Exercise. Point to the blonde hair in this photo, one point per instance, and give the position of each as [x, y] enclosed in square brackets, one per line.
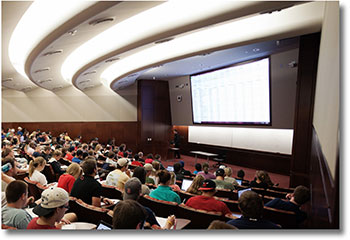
[197, 183]
[33, 164]
[98, 147]
[156, 165]
[172, 178]
[57, 153]
[228, 171]
[75, 170]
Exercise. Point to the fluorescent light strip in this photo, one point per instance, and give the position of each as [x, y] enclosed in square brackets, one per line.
[304, 16]
[41, 18]
[167, 16]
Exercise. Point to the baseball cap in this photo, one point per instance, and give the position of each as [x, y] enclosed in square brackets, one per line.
[51, 198]
[132, 188]
[220, 172]
[122, 162]
[148, 167]
[207, 185]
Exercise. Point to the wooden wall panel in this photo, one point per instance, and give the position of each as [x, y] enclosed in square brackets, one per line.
[271, 162]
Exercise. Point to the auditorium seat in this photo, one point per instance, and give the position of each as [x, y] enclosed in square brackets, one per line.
[33, 189]
[21, 176]
[65, 161]
[286, 219]
[50, 174]
[200, 219]
[159, 207]
[232, 205]
[275, 194]
[3, 226]
[111, 192]
[226, 193]
[185, 195]
[88, 213]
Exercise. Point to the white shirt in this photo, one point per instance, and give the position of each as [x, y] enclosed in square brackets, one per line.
[38, 177]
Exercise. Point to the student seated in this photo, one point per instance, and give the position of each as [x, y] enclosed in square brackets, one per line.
[51, 211]
[164, 191]
[251, 207]
[36, 166]
[66, 181]
[119, 176]
[198, 168]
[195, 185]
[205, 173]
[220, 183]
[206, 201]
[295, 200]
[54, 161]
[129, 214]
[228, 178]
[13, 214]
[140, 173]
[259, 180]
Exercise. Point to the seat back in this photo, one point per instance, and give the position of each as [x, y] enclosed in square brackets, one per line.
[159, 207]
[49, 174]
[88, 213]
[33, 189]
[111, 192]
[232, 205]
[200, 219]
[276, 194]
[185, 195]
[286, 219]
[225, 193]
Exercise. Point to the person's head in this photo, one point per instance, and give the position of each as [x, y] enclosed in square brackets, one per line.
[79, 154]
[89, 167]
[111, 155]
[47, 149]
[17, 192]
[208, 187]
[71, 149]
[36, 164]
[251, 205]
[7, 152]
[122, 147]
[228, 171]
[149, 156]
[205, 167]
[57, 154]
[54, 204]
[157, 157]
[240, 174]
[172, 178]
[136, 157]
[177, 167]
[198, 167]
[156, 165]
[140, 173]
[75, 170]
[301, 195]
[217, 224]
[182, 164]
[149, 169]
[12, 169]
[140, 154]
[132, 189]
[128, 214]
[122, 164]
[164, 177]
[220, 173]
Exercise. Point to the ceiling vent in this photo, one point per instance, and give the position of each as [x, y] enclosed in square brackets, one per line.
[112, 59]
[42, 70]
[52, 53]
[84, 81]
[7, 80]
[57, 88]
[89, 87]
[44, 81]
[91, 72]
[101, 20]
[164, 40]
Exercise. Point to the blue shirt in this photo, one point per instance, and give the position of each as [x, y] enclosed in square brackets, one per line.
[288, 206]
[76, 160]
[165, 193]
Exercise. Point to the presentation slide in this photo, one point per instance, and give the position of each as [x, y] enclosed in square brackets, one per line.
[238, 94]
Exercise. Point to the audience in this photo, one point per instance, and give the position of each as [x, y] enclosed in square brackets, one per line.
[259, 180]
[140, 173]
[183, 170]
[149, 158]
[35, 167]
[251, 206]
[150, 173]
[219, 181]
[87, 188]
[228, 178]
[78, 156]
[164, 191]
[51, 211]
[206, 201]
[206, 174]
[195, 185]
[173, 184]
[119, 176]
[177, 171]
[300, 196]
[129, 214]
[198, 168]
[240, 174]
[54, 162]
[66, 181]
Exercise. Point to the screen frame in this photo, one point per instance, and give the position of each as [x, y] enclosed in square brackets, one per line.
[235, 123]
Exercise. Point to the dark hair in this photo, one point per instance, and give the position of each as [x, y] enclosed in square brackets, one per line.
[157, 157]
[205, 167]
[79, 153]
[301, 194]
[10, 160]
[136, 157]
[177, 167]
[198, 167]
[71, 149]
[85, 154]
[127, 214]
[164, 176]
[140, 173]
[150, 155]
[217, 224]
[251, 205]
[240, 174]
[89, 166]
[15, 190]
[6, 152]
[111, 154]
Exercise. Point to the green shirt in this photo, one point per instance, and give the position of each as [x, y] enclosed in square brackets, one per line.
[220, 184]
[165, 193]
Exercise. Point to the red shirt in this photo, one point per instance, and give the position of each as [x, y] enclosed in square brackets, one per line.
[149, 160]
[68, 156]
[33, 225]
[208, 204]
[137, 163]
[66, 181]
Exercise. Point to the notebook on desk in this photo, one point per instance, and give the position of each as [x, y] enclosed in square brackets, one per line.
[186, 183]
[102, 225]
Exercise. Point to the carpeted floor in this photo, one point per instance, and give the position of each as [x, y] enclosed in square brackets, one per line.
[283, 180]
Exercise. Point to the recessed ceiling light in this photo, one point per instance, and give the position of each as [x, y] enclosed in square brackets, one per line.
[101, 20]
[52, 52]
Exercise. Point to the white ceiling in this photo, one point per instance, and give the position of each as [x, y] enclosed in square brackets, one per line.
[45, 71]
